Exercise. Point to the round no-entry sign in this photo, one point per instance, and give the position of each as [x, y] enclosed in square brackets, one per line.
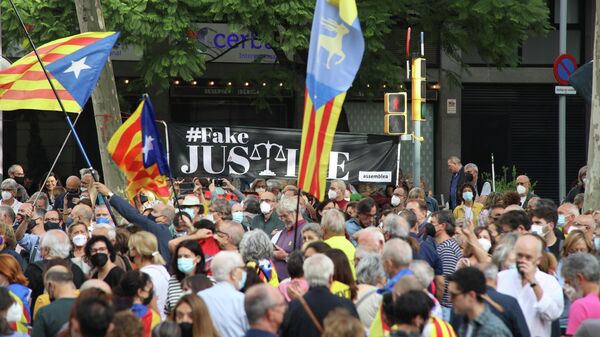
[564, 66]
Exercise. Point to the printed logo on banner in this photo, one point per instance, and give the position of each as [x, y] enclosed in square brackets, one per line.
[251, 152]
[375, 176]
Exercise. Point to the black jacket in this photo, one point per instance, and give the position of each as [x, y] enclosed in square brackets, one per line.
[461, 180]
[297, 323]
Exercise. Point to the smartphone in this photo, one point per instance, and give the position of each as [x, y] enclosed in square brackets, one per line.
[218, 182]
[72, 199]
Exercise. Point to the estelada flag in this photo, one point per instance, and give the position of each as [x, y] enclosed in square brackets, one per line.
[334, 56]
[137, 150]
[74, 65]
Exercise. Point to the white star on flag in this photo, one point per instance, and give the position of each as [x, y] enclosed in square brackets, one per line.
[148, 146]
[77, 66]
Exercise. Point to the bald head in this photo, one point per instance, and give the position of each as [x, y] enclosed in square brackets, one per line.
[73, 183]
[58, 274]
[406, 284]
[259, 300]
[96, 284]
[530, 248]
[586, 224]
[371, 239]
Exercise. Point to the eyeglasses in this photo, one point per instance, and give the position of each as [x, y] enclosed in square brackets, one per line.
[99, 250]
[454, 295]
[266, 200]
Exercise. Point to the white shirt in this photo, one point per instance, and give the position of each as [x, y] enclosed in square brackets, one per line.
[226, 307]
[160, 281]
[538, 314]
[15, 206]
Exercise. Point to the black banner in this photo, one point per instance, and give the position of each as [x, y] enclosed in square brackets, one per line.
[248, 152]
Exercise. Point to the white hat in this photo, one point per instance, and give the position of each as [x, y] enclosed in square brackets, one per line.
[190, 200]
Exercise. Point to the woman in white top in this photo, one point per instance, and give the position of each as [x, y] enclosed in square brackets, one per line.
[144, 256]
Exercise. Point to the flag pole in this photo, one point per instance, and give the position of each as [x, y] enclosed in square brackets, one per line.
[297, 216]
[71, 126]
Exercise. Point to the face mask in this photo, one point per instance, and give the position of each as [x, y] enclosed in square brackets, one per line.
[189, 211]
[210, 217]
[572, 293]
[186, 329]
[537, 229]
[521, 189]
[20, 180]
[83, 189]
[99, 260]
[468, 196]
[14, 313]
[265, 207]
[238, 217]
[512, 266]
[79, 240]
[395, 200]
[259, 189]
[52, 225]
[331, 194]
[485, 244]
[561, 220]
[469, 177]
[597, 244]
[6, 195]
[430, 229]
[180, 234]
[242, 282]
[151, 217]
[185, 265]
[146, 301]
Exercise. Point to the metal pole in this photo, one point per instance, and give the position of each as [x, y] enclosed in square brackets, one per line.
[398, 163]
[562, 110]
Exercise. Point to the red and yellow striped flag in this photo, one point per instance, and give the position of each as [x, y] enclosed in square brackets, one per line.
[73, 63]
[334, 57]
[137, 150]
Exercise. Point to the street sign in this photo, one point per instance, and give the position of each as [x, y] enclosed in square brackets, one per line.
[564, 66]
[564, 90]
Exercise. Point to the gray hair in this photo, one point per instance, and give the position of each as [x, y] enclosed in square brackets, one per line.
[581, 263]
[423, 272]
[333, 222]
[571, 208]
[257, 301]
[84, 211]
[318, 270]
[111, 234]
[398, 252]
[39, 196]
[396, 226]
[166, 328]
[471, 166]
[340, 183]
[224, 263]
[255, 246]
[287, 205]
[221, 206]
[169, 213]
[8, 211]
[313, 227]
[409, 216]
[454, 159]
[490, 271]
[505, 246]
[12, 169]
[40, 212]
[369, 270]
[58, 244]
[9, 184]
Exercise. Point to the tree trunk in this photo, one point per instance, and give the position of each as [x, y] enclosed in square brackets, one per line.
[592, 186]
[105, 101]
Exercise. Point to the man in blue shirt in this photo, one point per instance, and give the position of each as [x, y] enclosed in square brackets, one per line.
[458, 179]
[366, 211]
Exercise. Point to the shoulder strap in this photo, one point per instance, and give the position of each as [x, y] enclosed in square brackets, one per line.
[310, 313]
[365, 296]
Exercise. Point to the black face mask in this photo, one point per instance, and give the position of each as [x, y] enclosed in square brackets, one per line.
[186, 329]
[151, 217]
[51, 225]
[20, 180]
[469, 177]
[430, 229]
[99, 260]
[146, 301]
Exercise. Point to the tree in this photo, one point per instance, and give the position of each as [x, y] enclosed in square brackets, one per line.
[495, 29]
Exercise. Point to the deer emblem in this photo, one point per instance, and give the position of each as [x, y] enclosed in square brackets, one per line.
[333, 44]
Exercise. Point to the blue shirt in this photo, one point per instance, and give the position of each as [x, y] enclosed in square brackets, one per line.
[428, 253]
[389, 286]
[29, 242]
[226, 307]
[453, 188]
[352, 226]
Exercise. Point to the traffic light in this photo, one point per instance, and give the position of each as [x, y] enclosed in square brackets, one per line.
[395, 113]
[419, 87]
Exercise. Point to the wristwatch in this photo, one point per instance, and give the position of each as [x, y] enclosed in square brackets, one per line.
[533, 285]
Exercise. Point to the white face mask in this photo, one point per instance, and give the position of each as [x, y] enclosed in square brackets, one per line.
[395, 200]
[14, 313]
[265, 207]
[485, 244]
[537, 229]
[331, 194]
[79, 240]
[6, 195]
[521, 189]
[259, 190]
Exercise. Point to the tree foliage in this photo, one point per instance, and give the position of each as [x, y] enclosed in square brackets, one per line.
[494, 29]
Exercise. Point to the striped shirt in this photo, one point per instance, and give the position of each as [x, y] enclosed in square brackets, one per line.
[449, 253]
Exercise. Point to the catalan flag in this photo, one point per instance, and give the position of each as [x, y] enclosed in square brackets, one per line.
[73, 63]
[137, 150]
[334, 56]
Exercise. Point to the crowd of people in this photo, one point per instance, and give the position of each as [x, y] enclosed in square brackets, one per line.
[79, 260]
